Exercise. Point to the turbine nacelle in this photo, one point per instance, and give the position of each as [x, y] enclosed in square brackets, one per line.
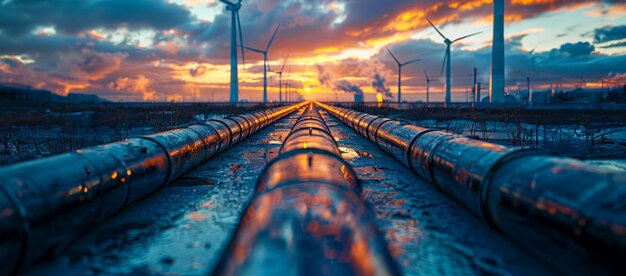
[230, 6]
[233, 7]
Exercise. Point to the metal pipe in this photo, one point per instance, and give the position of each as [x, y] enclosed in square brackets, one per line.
[47, 203]
[559, 208]
[307, 216]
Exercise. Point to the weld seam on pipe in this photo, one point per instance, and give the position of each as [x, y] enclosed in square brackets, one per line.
[239, 125]
[229, 131]
[408, 152]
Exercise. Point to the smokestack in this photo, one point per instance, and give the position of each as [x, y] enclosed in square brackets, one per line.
[358, 98]
[496, 81]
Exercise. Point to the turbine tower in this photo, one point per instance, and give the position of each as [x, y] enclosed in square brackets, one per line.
[235, 28]
[446, 59]
[428, 80]
[400, 65]
[496, 81]
[280, 80]
[265, 62]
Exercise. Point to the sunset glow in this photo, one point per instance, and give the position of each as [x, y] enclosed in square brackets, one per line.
[180, 48]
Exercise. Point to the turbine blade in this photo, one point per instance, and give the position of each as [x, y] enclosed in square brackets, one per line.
[253, 50]
[445, 57]
[269, 44]
[431, 23]
[267, 61]
[243, 55]
[227, 2]
[271, 78]
[284, 63]
[394, 57]
[426, 74]
[412, 61]
[464, 37]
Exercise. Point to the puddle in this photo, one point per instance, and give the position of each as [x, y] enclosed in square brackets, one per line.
[369, 173]
[276, 137]
[340, 136]
[348, 153]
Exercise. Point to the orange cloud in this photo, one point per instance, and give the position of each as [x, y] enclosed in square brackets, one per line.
[140, 85]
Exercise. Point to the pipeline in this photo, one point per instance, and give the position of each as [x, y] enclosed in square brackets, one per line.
[47, 203]
[307, 216]
[561, 209]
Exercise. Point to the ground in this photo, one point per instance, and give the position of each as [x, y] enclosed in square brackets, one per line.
[183, 228]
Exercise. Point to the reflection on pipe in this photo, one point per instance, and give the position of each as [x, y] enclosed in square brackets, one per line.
[307, 217]
[46, 203]
[561, 209]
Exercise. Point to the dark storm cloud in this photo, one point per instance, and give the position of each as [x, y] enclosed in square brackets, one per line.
[615, 45]
[19, 17]
[12, 62]
[609, 33]
[577, 49]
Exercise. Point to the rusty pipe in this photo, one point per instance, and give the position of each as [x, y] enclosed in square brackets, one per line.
[46, 203]
[307, 216]
[559, 208]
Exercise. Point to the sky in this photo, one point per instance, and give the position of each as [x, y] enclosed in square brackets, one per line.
[164, 50]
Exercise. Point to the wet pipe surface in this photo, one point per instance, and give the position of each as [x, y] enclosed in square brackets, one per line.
[184, 228]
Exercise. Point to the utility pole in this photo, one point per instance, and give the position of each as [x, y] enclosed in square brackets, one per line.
[530, 94]
[475, 88]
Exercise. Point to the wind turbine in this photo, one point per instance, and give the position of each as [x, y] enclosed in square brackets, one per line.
[265, 62]
[287, 85]
[235, 26]
[428, 80]
[400, 65]
[280, 80]
[446, 59]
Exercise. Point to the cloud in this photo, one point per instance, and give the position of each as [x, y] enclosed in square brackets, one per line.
[615, 45]
[577, 49]
[609, 33]
[71, 17]
[154, 47]
[140, 85]
[10, 65]
[90, 65]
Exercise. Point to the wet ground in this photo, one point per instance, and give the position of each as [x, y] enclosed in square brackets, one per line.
[427, 232]
[182, 229]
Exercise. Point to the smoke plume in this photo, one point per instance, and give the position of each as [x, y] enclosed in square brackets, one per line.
[348, 87]
[322, 76]
[379, 85]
